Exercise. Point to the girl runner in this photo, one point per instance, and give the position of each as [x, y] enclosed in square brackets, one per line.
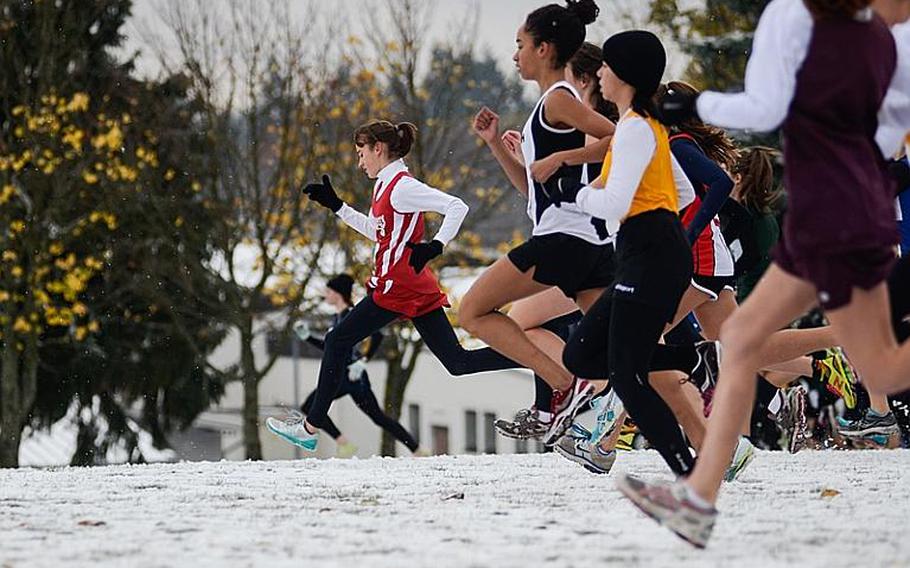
[357, 382]
[822, 67]
[566, 249]
[401, 286]
[552, 306]
[641, 186]
[706, 153]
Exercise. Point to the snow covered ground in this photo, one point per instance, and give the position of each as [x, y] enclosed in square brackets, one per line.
[812, 509]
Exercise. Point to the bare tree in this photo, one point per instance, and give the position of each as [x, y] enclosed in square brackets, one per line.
[257, 73]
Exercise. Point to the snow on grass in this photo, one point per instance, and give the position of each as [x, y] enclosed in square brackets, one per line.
[812, 509]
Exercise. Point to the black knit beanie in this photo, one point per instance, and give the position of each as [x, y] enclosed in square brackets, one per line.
[343, 284]
[638, 58]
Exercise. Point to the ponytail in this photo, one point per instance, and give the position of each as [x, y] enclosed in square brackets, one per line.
[562, 26]
[398, 137]
[757, 189]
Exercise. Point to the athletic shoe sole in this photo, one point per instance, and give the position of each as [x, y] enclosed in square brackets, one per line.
[588, 465]
[871, 431]
[562, 421]
[308, 445]
[507, 434]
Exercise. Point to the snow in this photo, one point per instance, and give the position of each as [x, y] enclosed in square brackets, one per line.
[811, 509]
[55, 445]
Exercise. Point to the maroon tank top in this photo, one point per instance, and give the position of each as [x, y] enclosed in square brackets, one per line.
[839, 192]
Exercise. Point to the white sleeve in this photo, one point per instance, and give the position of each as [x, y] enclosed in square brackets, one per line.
[779, 48]
[414, 196]
[634, 145]
[357, 221]
[684, 188]
[894, 116]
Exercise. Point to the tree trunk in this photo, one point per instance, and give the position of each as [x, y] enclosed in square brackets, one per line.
[251, 443]
[398, 376]
[9, 445]
[18, 384]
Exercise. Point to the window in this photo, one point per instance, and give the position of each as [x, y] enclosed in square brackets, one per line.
[489, 433]
[414, 421]
[440, 440]
[470, 431]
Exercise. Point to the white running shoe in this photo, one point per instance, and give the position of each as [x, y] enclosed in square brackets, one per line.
[293, 431]
[669, 504]
[585, 454]
[609, 408]
[742, 457]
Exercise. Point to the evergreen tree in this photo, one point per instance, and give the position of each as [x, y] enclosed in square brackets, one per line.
[90, 192]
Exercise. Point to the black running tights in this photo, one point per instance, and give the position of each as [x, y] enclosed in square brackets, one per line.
[367, 317]
[628, 332]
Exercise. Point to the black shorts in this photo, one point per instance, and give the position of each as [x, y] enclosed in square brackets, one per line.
[714, 285]
[653, 261]
[569, 263]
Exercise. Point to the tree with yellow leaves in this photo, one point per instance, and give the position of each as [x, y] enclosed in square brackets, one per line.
[86, 167]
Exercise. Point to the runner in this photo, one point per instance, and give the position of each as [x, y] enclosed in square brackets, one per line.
[401, 286]
[835, 169]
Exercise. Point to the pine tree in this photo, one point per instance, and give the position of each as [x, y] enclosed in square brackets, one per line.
[88, 162]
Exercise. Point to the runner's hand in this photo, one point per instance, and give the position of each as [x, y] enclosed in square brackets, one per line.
[422, 253]
[677, 107]
[357, 369]
[486, 125]
[562, 190]
[324, 194]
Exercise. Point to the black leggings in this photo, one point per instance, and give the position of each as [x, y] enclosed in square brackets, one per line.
[365, 399]
[617, 339]
[365, 318]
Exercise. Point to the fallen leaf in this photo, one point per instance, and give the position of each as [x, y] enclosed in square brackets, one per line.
[90, 523]
[829, 493]
[454, 496]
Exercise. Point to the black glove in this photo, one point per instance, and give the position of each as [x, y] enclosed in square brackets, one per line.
[324, 194]
[562, 190]
[900, 170]
[422, 253]
[677, 107]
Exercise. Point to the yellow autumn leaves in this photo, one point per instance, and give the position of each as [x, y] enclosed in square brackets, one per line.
[60, 149]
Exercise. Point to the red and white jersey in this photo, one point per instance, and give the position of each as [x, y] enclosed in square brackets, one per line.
[395, 219]
[710, 253]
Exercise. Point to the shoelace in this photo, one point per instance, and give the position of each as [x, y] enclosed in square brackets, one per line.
[293, 417]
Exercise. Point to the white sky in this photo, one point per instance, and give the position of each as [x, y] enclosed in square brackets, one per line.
[498, 22]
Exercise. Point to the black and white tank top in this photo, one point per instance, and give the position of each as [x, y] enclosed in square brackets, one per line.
[539, 140]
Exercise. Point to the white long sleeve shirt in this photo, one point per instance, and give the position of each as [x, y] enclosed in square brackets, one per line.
[410, 196]
[779, 49]
[633, 149]
[894, 117]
